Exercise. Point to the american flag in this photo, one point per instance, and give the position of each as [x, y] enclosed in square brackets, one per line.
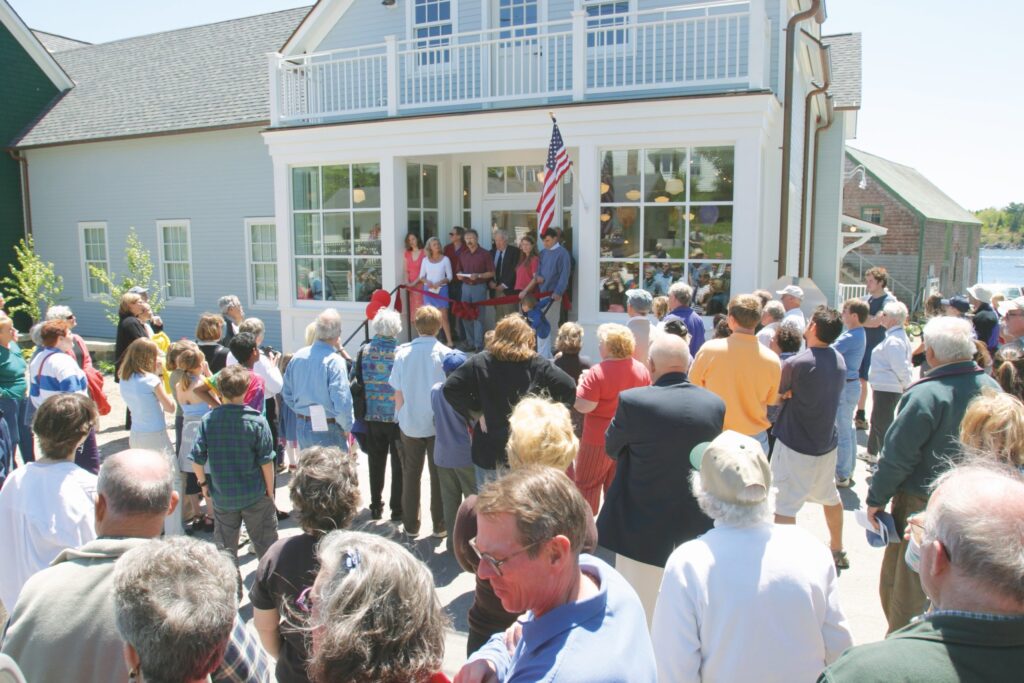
[558, 165]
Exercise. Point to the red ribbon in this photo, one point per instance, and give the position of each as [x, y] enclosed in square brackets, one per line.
[469, 310]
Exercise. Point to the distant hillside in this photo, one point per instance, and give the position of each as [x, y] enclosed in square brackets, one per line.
[1002, 228]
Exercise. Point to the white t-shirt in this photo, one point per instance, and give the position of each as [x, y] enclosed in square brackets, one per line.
[435, 272]
[45, 507]
[272, 380]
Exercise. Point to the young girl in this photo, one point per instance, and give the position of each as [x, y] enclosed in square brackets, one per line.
[191, 363]
[287, 428]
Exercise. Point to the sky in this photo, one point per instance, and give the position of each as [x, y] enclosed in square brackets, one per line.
[942, 89]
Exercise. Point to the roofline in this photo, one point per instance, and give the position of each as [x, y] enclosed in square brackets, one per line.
[261, 123]
[913, 209]
[315, 26]
[57, 35]
[537, 107]
[39, 54]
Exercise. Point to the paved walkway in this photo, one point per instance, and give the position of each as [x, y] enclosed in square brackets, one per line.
[858, 585]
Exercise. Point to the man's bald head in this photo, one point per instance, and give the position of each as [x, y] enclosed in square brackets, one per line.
[137, 483]
[668, 353]
[975, 511]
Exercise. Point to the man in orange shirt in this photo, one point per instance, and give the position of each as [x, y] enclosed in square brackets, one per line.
[742, 372]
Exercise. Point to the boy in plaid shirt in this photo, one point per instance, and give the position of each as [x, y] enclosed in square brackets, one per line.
[236, 441]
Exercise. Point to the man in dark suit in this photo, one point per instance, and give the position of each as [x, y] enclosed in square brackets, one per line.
[649, 508]
[506, 258]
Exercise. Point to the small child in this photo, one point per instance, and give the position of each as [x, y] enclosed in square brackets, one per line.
[243, 347]
[236, 441]
[452, 447]
[533, 311]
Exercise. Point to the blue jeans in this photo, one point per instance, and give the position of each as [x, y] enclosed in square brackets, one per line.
[847, 456]
[762, 438]
[334, 436]
[484, 476]
[474, 329]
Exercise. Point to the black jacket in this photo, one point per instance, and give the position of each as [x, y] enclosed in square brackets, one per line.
[985, 322]
[649, 509]
[507, 274]
[493, 387]
[229, 331]
[128, 330]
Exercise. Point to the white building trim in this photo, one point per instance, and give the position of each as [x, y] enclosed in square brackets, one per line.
[39, 54]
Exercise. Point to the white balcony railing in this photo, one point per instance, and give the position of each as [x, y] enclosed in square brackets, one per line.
[714, 45]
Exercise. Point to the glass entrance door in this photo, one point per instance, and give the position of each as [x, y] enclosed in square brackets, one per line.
[515, 222]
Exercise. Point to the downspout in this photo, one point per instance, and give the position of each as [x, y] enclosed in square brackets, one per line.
[830, 119]
[26, 205]
[787, 126]
[920, 262]
[814, 92]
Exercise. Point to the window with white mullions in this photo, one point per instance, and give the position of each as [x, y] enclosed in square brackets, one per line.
[432, 28]
[606, 22]
[517, 18]
[176, 259]
[94, 255]
[262, 236]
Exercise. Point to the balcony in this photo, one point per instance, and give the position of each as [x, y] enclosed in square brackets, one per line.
[710, 47]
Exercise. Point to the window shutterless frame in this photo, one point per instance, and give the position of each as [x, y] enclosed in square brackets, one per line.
[174, 238]
[95, 250]
[261, 262]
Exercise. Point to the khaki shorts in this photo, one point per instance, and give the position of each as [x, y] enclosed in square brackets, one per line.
[798, 478]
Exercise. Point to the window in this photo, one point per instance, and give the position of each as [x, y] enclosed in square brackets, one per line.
[871, 214]
[176, 259]
[261, 234]
[422, 191]
[606, 22]
[336, 232]
[94, 255]
[514, 179]
[432, 28]
[666, 216]
[517, 18]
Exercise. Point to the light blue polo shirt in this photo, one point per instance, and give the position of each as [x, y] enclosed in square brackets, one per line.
[418, 367]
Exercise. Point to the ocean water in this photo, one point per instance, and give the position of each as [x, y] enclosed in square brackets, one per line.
[1001, 265]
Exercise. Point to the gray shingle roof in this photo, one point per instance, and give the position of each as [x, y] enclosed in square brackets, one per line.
[845, 54]
[193, 78]
[916, 190]
[54, 43]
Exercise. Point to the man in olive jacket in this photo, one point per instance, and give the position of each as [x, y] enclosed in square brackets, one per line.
[917, 449]
[970, 563]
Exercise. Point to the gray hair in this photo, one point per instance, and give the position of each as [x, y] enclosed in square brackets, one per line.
[59, 313]
[36, 334]
[681, 292]
[136, 482]
[387, 323]
[730, 513]
[253, 326]
[897, 311]
[328, 325]
[378, 617]
[175, 603]
[324, 490]
[501, 232]
[640, 299]
[775, 310]
[228, 301]
[950, 339]
[977, 516]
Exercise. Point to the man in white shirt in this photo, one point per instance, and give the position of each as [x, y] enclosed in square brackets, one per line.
[640, 323]
[419, 365]
[720, 590]
[774, 312]
[792, 298]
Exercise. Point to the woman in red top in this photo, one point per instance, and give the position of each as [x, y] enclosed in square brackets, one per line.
[528, 262]
[597, 397]
[413, 260]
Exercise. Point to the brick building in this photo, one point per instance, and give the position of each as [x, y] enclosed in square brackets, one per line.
[930, 241]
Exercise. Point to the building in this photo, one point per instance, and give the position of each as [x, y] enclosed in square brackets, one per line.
[263, 155]
[929, 243]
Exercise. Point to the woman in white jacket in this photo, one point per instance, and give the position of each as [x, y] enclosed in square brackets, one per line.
[890, 374]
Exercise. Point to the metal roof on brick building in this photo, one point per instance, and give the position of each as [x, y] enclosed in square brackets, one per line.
[195, 78]
[913, 188]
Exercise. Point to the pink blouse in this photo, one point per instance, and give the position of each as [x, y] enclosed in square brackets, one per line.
[412, 266]
[525, 272]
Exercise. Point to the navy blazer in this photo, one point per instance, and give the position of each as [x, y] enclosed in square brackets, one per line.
[649, 509]
[509, 261]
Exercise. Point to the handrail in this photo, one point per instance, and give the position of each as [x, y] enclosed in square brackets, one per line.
[365, 325]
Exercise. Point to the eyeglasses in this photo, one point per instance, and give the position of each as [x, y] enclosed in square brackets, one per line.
[917, 521]
[495, 562]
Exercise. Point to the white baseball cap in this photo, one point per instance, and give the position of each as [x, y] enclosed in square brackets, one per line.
[791, 290]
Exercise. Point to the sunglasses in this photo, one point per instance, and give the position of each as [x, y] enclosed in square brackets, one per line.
[495, 563]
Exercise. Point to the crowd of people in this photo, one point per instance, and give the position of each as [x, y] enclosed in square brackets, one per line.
[687, 452]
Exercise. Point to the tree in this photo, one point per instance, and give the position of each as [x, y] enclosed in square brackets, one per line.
[33, 282]
[140, 274]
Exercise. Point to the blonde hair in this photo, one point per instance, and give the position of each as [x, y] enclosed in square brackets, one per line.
[189, 360]
[569, 339]
[310, 333]
[140, 356]
[428, 320]
[127, 300]
[513, 340]
[540, 433]
[618, 341]
[660, 307]
[175, 350]
[993, 427]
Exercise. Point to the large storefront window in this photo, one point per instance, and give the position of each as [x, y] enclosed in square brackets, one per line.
[666, 216]
[336, 232]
